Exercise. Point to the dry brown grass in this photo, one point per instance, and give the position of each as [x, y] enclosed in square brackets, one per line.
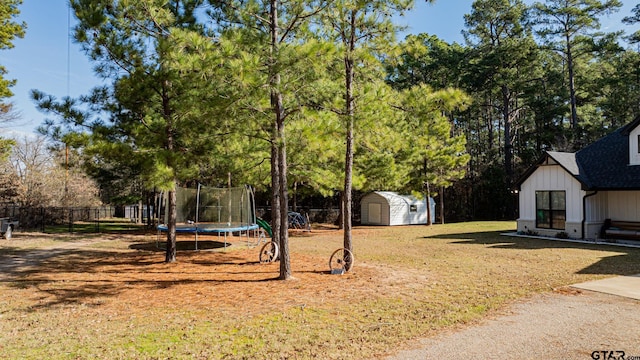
[113, 297]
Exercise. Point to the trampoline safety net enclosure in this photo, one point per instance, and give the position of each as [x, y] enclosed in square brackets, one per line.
[214, 210]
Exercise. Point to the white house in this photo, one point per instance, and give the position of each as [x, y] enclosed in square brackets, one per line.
[572, 194]
[389, 208]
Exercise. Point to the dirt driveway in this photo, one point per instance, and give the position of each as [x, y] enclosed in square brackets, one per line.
[576, 324]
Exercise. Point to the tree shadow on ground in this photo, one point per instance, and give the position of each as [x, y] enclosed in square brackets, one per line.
[627, 262]
[180, 245]
[88, 276]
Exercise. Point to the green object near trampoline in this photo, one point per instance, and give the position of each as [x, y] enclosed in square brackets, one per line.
[265, 225]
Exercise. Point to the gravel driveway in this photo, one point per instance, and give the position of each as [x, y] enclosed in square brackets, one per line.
[549, 326]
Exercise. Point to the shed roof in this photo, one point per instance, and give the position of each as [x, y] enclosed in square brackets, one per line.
[394, 197]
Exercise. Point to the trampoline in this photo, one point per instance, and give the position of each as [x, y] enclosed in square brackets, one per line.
[210, 228]
[219, 211]
[222, 230]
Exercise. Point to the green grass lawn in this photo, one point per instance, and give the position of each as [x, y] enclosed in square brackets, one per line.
[407, 282]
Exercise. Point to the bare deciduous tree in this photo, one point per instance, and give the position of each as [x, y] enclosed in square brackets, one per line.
[43, 180]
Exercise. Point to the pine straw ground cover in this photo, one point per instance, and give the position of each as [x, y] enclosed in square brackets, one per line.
[111, 296]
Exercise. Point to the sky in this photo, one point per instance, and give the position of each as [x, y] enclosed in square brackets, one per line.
[46, 60]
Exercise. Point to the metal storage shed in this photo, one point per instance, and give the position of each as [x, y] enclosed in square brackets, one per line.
[389, 208]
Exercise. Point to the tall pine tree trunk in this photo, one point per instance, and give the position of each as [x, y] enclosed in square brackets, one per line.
[427, 189]
[572, 87]
[508, 147]
[148, 200]
[275, 188]
[427, 195]
[139, 214]
[170, 255]
[348, 187]
[294, 206]
[441, 205]
[338, 220]
[285, 261]
[350, 114]
[490, 126]
[280, 194]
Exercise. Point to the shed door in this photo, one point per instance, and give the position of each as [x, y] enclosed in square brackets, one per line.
[375, 213]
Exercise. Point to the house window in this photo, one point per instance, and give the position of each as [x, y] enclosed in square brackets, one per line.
[638, 143]
[551, 209]
[413, 208]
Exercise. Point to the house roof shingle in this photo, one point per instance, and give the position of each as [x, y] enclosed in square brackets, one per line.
[603, 165]
[606, 163]
[567, 161]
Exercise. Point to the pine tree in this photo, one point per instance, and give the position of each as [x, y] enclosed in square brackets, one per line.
[361, 29]
[631, 20]
[426, 59]
[567, 26]
[277, 34]
[9, 30]
[437, 156]
[145, 118]
[505, 55]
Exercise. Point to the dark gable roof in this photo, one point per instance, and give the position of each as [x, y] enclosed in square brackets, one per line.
[629, 127]
[603, 165]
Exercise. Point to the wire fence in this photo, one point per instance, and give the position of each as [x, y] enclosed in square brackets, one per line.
[329, 215]
[67, 219]
[113, 218]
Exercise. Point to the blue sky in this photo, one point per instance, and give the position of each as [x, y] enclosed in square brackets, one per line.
[44, 60]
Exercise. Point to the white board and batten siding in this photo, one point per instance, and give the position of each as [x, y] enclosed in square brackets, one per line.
[627, 205]
[616, 205]
[551, 178]
[601, 205]
[597, 210]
